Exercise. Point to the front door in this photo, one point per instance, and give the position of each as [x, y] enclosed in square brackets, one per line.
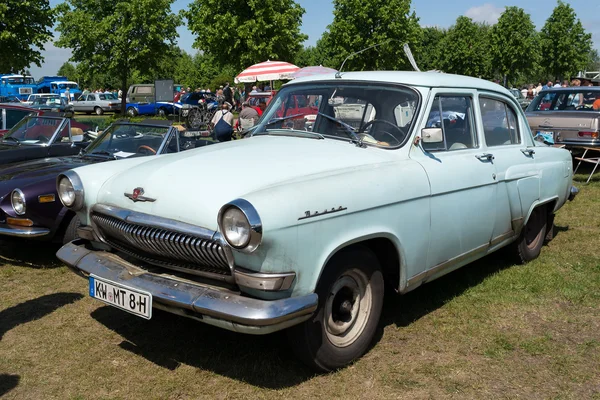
[462, 179]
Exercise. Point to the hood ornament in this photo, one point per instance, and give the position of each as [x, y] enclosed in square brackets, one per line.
[137, 195]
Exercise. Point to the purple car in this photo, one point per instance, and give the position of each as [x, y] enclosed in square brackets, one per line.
[30, 207]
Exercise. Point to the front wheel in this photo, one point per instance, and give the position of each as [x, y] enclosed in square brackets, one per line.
[162, 112]
[350, 293]
[132, 112]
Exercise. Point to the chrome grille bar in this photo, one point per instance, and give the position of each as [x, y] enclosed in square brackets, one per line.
[163, 247]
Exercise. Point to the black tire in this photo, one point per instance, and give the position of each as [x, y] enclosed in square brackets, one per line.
[71, 231]
[162, 112]
[98, 110]
[316, 341]
[529, 244]
[131, 112]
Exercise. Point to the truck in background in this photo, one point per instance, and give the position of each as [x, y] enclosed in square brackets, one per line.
[17, 85]
[59, 85]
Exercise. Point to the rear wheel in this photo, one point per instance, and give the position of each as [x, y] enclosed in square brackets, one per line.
[350, 301]
[162, 112]
[98, 110]
[529, 244]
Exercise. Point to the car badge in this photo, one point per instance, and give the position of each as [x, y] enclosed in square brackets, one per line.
[138, 195]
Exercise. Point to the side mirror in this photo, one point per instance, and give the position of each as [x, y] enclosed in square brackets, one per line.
[432, 135]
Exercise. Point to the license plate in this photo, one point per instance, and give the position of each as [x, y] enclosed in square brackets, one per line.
[131, 300]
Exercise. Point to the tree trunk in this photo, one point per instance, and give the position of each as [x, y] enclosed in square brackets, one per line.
[124, 89]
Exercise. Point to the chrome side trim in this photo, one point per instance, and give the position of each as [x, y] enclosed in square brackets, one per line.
[501, 238]
[196, 300]
[22, 231]
[261, 281]
[423, 276]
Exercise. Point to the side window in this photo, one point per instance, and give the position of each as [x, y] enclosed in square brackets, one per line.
[454, 114]
[91, 97]
[500, 123]
[13, 116]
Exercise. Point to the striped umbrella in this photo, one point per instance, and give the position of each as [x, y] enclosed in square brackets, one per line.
[310, 71]
[267, 71]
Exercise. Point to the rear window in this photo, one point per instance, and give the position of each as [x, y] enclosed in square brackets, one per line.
[143, 89]
[581, 100]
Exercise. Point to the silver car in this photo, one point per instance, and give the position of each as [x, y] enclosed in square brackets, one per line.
[98, 103]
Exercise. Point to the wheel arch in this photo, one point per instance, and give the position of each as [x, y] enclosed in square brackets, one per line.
[550, 203]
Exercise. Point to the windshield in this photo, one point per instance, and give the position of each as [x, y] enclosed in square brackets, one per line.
[46, 101]
[35, 130]
[567, 100]
[375, 114]
[107, 96]
[67, 85]
[126, 140]
[20, 81]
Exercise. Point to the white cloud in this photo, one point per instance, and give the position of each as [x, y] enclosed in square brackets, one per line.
[54, 57]
[487, 13]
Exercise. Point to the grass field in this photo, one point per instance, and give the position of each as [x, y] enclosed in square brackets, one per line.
[490, 330]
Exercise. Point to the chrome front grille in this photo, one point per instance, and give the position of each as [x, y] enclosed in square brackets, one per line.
[163, 247]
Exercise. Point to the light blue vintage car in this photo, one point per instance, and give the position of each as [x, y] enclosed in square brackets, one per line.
[393, 177]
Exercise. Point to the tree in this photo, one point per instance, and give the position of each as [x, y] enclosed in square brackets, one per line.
[513, 43]
[429, 56]
[359, 24]
[241, 33]
[593, 61]
[117, 37]
[465, 49]
[24, 29]
[564, 42]
[68, 70]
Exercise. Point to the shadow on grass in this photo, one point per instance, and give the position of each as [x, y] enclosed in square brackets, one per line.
[8, 382]
[168, 340]
[34, 309]
[29, 253]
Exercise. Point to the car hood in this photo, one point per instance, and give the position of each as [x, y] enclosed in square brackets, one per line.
[193, 185]
[29, 172]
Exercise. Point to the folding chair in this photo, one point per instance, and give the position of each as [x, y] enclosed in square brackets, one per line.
[591, 160]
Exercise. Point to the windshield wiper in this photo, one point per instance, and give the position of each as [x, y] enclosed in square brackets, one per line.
[347, 128]
[5, 139]
[276, 120]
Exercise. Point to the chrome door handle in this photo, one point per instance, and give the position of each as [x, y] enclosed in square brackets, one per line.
[528, 152]
[485, 157]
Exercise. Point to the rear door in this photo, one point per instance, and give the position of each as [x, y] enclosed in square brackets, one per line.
[507, 138]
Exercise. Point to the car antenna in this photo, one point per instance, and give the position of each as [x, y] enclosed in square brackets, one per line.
[407, 51]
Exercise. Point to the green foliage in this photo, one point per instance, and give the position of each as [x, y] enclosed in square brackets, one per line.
[429, 57]
[564, 42]
[465, 49]
[24, 29]
[68, 70]
[593, 61]
[513, 43]
[118, 37]
[358, 24]
[241, 33]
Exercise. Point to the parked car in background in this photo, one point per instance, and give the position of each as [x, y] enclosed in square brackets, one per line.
[144, 92]
[306, 235]
[29, 204]
[32, 97]
[54, 103]
[97, 103]
[41, 136]
[567, 116]
[160, 108]
[523, 101]
[197, 108]
[10, 114]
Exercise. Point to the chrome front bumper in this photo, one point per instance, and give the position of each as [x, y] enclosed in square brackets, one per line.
[572, 193]
[212, 305]
[22, 231]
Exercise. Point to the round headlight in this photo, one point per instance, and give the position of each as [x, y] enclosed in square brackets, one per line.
[17, 199]
[236, 227]
[66, 191]
[70, 190]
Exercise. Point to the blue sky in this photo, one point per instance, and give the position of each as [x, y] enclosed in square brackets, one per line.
[443, 13]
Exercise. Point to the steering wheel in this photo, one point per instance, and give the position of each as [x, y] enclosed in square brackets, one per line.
[43, 139]
[382, 121]
[147, 150]
[581, 107]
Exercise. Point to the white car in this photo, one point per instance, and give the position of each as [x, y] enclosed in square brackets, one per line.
[33, 97]
[299, 226]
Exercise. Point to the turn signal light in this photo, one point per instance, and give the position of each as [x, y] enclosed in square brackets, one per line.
[19, 221]
[46, 198]
[593, 135]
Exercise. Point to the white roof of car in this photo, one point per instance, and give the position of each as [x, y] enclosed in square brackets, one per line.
[427, 79]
